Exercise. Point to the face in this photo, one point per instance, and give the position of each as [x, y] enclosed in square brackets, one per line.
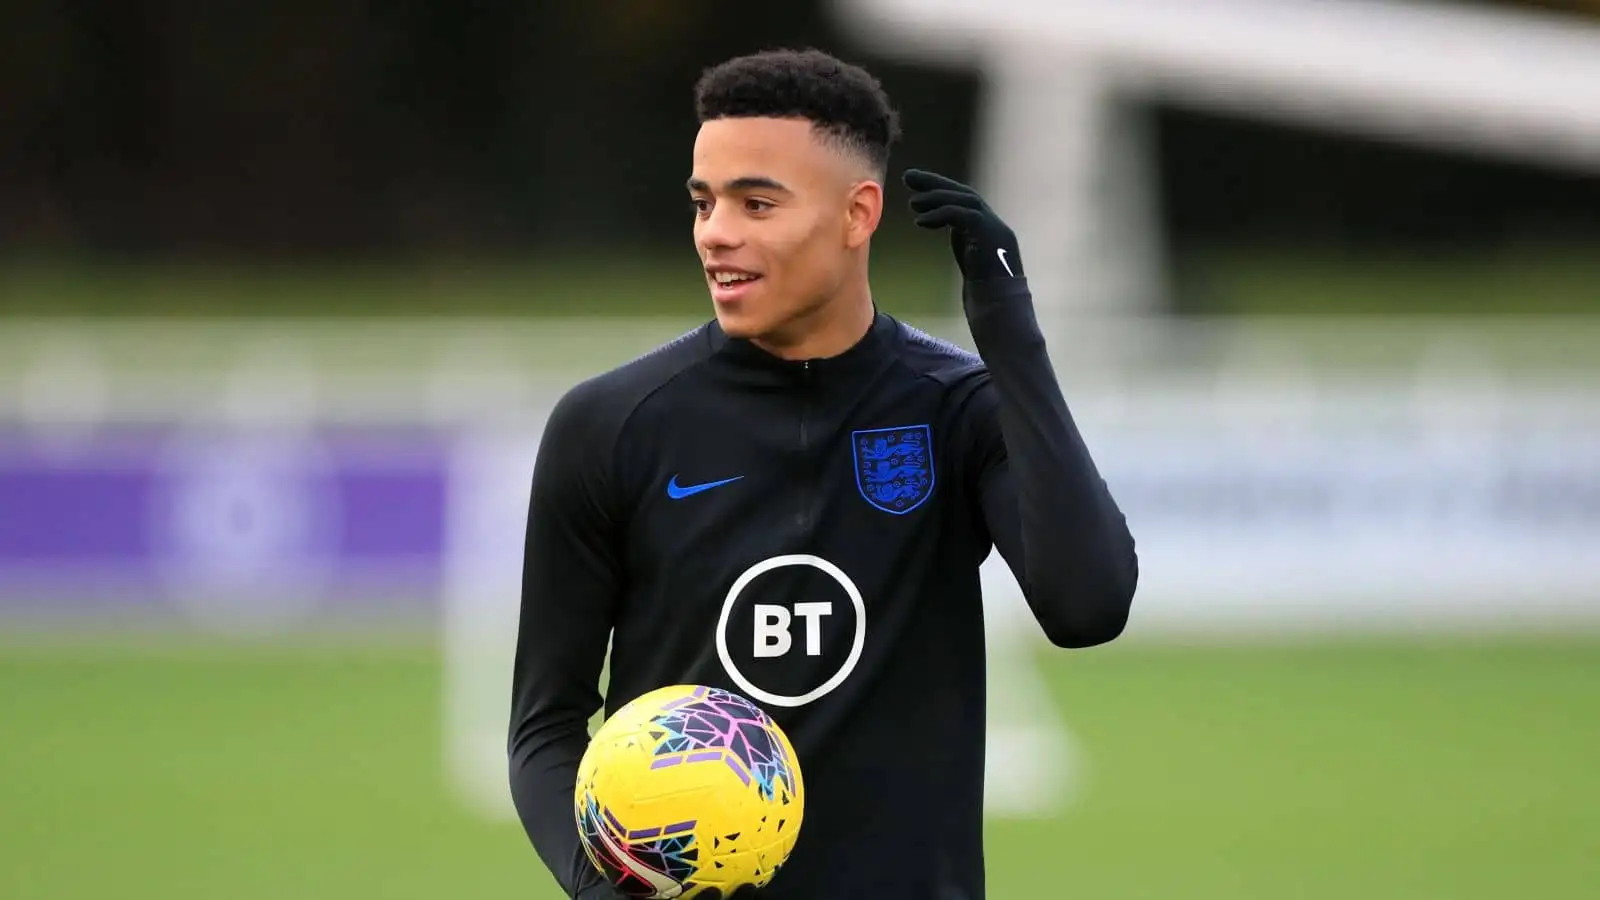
[781, 222]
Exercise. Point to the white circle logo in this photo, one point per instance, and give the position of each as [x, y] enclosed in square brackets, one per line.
[743, 582]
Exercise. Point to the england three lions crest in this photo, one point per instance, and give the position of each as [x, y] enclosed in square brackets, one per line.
[894, 466]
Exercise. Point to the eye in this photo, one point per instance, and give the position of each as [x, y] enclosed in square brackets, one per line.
[755, 205]
[700, 205]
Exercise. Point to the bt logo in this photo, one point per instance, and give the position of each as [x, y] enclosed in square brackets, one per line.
[774, 632]
[773, 637]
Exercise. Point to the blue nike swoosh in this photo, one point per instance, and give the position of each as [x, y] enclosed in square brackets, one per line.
[677, 492]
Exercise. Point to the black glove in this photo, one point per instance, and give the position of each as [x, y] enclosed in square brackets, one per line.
[984, 246]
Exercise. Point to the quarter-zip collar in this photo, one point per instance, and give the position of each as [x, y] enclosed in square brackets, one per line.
[863, 358]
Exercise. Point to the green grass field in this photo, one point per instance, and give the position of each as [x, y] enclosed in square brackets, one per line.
[1368, 770]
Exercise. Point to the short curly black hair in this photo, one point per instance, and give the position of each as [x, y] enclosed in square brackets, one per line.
[843, 101]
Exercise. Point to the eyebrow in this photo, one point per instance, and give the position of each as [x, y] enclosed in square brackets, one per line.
[742, 183]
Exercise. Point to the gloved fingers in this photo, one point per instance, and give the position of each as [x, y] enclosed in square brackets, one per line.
[923, 180]
[959, 217]
[928, 200]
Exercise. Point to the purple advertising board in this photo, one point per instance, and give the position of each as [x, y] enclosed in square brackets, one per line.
[235, 522]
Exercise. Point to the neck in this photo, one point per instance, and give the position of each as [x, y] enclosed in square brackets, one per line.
[830, 330]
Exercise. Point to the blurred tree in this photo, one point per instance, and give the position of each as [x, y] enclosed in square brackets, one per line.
[344, 128]
[39, 61]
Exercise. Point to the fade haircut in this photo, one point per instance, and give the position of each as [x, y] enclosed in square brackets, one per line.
[843, 102]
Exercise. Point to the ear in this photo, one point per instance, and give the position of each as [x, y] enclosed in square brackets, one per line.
[863, 211]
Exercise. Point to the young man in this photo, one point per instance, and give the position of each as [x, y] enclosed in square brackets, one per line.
[792, 502]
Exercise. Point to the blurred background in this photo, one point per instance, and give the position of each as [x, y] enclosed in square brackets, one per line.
[287, 289]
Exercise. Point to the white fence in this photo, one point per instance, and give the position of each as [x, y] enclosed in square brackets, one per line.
[1276, 475]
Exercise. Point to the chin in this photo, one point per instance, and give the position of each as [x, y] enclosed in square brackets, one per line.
[737, 324]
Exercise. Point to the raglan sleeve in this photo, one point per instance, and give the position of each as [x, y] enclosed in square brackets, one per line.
[1041, 499]
[571, 584]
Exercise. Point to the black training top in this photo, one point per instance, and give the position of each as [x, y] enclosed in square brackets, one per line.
[809, 534]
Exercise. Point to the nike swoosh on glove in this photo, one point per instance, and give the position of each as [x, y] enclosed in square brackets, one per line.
[984, 246]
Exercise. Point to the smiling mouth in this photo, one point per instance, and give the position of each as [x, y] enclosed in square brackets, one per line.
[730, 288]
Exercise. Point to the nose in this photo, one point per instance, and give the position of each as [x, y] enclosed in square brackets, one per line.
[718, 229]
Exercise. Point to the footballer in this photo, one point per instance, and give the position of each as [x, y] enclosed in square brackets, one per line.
[793, 500]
